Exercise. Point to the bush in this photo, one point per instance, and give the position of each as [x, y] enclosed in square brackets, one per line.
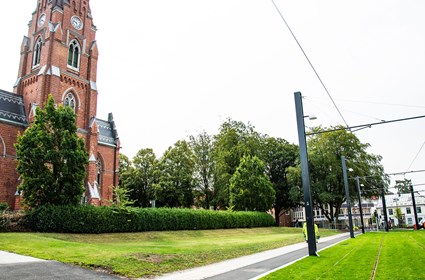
[12, 222]
[90, 219]
[3, 207]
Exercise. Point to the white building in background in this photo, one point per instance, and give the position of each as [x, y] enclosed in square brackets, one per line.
[404, 202]
[321, 220]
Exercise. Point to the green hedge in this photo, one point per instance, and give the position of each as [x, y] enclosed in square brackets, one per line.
[90, 219]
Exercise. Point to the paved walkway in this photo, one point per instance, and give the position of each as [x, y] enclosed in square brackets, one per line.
[13, 266]
[254, 266]
[17, 267]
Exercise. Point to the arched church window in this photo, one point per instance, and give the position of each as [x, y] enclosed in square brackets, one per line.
[2, 148]
[69, 101]
[37, 53]
[74, 53]
[99, 173]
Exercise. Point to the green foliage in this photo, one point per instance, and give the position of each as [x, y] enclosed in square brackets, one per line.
[279, 157]
[234, 140]
[140, 176]
[327, 185]
[121, 198]
[403, 186]
[3, 207]
[90, 219]
[250, 187]
[202, 146]
[175, 177]
[51, 158]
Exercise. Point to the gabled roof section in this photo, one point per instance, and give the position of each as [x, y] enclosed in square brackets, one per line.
[59, 3]
[12, 109]
[107, 132]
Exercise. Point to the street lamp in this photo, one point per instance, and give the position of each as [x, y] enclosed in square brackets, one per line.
[308, 202]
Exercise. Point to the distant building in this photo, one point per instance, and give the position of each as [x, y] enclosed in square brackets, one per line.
[59, 57]
[404, 202]
[322, 221]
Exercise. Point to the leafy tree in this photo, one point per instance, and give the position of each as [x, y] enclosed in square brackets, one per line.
[175, 180]
[403, 186]
[279, 156]
[250, 187]
[125, 170]
[234, 140]
[398, 215]
[327, 185]
[140, 177]
[121, 198]
[202, 146]
[51, 158]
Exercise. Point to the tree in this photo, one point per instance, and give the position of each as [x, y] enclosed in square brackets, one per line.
[51, 158]
[234, 140]
[327, 185]
[250, 187]
[202, 146]
[399, 215]
[140, 177]
[279, 156]
[175, 180]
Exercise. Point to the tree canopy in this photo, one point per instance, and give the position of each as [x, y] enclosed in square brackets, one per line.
[325, 150]
[51, 158]
[250, 187]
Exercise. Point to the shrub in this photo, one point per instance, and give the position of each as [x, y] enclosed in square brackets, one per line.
[3, 207]
[12, 222]
[90, 219]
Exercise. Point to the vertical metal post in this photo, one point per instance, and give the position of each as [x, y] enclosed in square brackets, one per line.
[347, 196]
[384, 205]
[308, 201]
[360, 202]
[414, 207]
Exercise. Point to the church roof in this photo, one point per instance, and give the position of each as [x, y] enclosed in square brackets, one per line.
[107, 132]
[59, 3]
[12, 109]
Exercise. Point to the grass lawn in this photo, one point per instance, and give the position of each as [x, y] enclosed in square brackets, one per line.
[150, 253]
[393, 255]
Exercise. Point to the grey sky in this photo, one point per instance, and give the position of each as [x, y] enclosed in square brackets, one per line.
[170, 68]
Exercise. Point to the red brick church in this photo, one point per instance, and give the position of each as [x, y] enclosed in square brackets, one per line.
[59, 57]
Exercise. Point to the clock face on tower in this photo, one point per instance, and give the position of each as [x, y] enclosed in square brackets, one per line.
[42, 20]
[76, 22]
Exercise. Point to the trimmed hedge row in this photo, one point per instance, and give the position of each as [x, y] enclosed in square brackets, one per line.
[90, 219]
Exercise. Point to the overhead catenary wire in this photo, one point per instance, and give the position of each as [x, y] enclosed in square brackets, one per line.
[311, 64]
[417, 154]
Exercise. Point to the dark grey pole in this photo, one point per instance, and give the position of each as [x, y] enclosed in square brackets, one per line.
[347, 196]
[414, 207]
[308, 202]
[360, 202]
[384, 205]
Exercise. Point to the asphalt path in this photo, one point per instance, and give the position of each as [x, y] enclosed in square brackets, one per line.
[17, 267]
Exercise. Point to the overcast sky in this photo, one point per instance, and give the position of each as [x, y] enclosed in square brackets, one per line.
[169, 69]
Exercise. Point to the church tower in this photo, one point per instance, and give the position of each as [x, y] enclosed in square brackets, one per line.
[59, 57]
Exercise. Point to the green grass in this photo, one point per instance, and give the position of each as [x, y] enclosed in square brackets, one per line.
[150, 253]
[402, 257]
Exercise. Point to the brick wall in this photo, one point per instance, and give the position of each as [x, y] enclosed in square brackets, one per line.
[9, 177]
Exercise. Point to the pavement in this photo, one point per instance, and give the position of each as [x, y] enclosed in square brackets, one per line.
[17, 267]
[252, 267]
